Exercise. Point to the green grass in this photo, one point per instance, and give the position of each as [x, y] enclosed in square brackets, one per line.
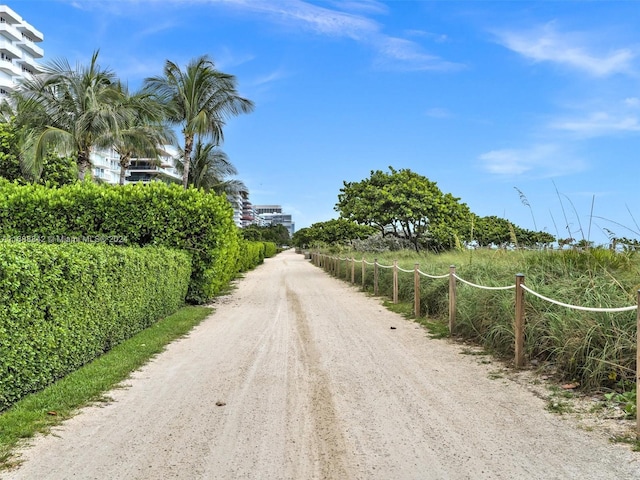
[40, 411]
[596, 349]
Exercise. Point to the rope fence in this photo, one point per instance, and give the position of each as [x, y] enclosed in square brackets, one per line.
[332, 265]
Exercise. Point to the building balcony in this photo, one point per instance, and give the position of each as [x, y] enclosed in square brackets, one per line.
[9, 67]
[10, 31]
[30, 31]
[150, 176]
[29, 67]
[10, 49]
[8, 15]
[31, 47]
[144, 168]
[6, 84]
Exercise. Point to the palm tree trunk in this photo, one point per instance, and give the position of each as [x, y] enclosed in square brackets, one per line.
[84, 164]
[125, 160]
[188, 146]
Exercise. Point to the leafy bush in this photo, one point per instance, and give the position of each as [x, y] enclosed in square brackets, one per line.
[378, 243]
[253, 254]
[154, 214]
[270, 249]
[64, 305]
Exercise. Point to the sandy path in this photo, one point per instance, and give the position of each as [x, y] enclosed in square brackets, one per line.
[317, 386]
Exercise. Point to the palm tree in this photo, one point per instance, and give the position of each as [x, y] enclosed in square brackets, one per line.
[143, 130]
[77, 109]
[210, 168]
[200, 99]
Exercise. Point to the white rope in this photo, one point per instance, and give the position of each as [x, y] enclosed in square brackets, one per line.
[405, 271]
[385, 266]
[576, 307]
[372, 263]
[433, 276]
[482, 286]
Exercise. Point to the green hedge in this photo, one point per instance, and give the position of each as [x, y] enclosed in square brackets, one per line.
[64, 305]
[153, 214]
[270, 249]
[253, 254]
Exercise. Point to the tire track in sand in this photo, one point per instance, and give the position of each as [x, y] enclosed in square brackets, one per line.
[328, 432]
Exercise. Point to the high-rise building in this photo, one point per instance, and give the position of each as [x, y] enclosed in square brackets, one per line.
[272, 215]
[18, 49]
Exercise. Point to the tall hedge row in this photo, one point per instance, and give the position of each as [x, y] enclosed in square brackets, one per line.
[63, 305]
[253, 254]
[152, 214]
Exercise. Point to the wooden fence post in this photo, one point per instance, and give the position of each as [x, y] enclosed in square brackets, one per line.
[395, 281]
[375, 277]
[363, 272]
[452, 298]
[638, 367]
[519, 321]
[416, 290]
[337, 267]
[353, 270]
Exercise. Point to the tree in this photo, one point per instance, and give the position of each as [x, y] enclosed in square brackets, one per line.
[199, 99]
[210, 168]
[404, 204]
[277, 234]
[331, 232]
[55, 171]
[492, 230]
[69, 109]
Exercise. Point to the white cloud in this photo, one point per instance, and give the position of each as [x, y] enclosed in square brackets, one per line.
[599, 123]
[632, 102]
[546, 44]
[398, 53]
[546, 160]
[269, 78]
[347, 20]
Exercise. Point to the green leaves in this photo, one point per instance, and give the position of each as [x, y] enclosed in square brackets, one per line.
[65, 304]
[404, 204]
[156, 214]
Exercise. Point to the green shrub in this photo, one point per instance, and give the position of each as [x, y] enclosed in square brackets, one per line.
[64, 305]
[270, 249]
[253, 254]
[153, 214]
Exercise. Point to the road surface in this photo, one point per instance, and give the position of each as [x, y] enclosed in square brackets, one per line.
[300, 376]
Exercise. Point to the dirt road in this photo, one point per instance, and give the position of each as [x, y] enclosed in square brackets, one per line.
[311, 382]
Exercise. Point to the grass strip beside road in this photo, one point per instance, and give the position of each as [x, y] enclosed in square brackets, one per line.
[38, 412]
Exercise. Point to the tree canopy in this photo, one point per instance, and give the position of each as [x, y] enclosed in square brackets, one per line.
[405, 204]
[199, 99]
[277, 234]
[335, 231]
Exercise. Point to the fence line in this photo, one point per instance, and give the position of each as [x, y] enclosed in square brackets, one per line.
[332, 264]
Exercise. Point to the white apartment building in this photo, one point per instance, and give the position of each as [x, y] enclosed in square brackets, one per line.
[18, 49]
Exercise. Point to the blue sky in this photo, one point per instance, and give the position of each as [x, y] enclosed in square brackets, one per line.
[485, 98]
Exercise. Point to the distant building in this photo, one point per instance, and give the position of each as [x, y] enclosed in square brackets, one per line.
[273, 215]
[261, 209]
[163, 168]
[19, 51]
